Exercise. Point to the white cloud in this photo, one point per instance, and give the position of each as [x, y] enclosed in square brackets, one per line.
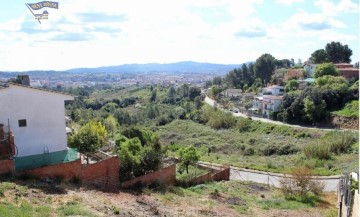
[330, 8]
[288, 2]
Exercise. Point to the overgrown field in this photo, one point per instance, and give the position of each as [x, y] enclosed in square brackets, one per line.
[264, 146]
[232, 198]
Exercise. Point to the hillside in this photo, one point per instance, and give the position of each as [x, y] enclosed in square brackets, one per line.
[48, 198]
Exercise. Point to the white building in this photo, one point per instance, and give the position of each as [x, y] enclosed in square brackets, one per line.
[310, 69]
[36, 117]
[270, 104]
[274, 90]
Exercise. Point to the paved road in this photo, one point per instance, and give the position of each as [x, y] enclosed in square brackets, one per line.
[235, 174]
[331, 182]
[211, 102]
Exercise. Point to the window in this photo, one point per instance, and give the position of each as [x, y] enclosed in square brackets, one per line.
[22, 123]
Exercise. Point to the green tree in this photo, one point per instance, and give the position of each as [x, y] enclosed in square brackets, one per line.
[184, 91]
[338, 53]
[325, 69]
[194, 92]
[89, 138]
[197, 102]
[264, 67]
[187, 156]
[315, 111]
[153, 95]
[328, 82]
[171, 95]
[292, 85]
[110, 124]
[319, 56]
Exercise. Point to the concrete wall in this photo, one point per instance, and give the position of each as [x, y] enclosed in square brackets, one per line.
[355, 209]
[44, 112]
[165, 175]
[103, 174]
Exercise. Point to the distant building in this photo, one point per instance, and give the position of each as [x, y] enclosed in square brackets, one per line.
[309, 68]
[232, 93]
[269, 101]
[273, 90]
[293, 74]
[270, 104]
[347, 70]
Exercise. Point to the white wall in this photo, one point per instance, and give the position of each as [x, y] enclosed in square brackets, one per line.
[44, 112]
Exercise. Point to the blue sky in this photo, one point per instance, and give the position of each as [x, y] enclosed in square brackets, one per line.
[93, 33]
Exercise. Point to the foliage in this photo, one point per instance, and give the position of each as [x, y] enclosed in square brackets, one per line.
[319, 56]
[89, 138]
[194, 92]
[300, 183]
[314, 110]
[332, 143]
[292, 85]
[329, 82]
[338, 53]
[264, 67]
[187, 156]
[217, 119]
[110, 124]
[325, 69]
[351, 110]
[139, 152]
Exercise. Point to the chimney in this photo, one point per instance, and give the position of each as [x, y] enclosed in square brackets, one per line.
[25, 80]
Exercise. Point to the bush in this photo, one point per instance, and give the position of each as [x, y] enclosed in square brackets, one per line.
[317, 150]
[249, 151]
[287, 149]
[300, 184]
[243, 124]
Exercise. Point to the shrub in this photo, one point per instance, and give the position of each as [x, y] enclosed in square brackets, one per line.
[287, 149]
[317, 150]
[300, 183]
[243, 124]
[249, 151]
[270, 150]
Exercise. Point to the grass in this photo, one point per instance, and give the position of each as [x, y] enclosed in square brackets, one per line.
[193, 172]
[211, 199]
[269, 143]
[350, 110]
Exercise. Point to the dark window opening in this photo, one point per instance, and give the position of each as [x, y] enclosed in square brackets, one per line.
[22, 123]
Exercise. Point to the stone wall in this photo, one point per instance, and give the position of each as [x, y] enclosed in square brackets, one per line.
[165, 176]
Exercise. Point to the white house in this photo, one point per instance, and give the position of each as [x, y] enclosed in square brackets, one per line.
[36, 117]
[274, 90]
[310, 69]
[270, 104]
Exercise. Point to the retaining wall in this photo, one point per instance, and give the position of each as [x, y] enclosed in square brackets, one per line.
[7, 166]
[103, 174]
[165, 176]
[223, 174]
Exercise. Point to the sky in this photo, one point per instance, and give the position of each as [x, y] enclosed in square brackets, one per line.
[94, 33]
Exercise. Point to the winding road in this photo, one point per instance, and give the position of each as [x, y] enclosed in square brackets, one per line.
[211, 102]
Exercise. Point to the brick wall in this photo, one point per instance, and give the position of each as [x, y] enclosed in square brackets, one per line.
[103, 174]
[222, 174]
[7, 166]
[165, 175]
[65, 170]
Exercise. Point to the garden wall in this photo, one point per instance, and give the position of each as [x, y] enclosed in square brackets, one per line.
[165, 176]
[7, 166]
[222, 174]
[103, 174]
